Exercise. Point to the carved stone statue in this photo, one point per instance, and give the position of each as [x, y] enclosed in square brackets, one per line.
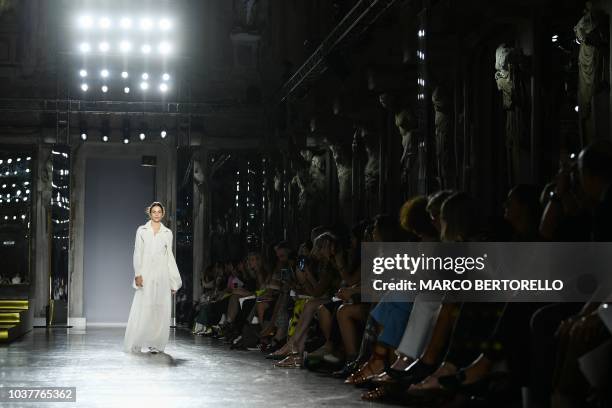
[308, 187]
[371, 172]
[508, 77]
[443, 145]
[407, 124]
[342, 153]
[248, 14]
[591, 37]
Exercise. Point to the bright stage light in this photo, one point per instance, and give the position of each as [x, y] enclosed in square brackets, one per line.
[85, 47]
[83, 136]
[145, 76]
[164, 48]
[163, 133]
[144, 86]
[84, 87]
[126, 140]
[125, 46]
[104, 23]
[146, 24]
[85, 22]
[105, 138]
[165, 24]
[142, 136]
[166, 77]
[146, 49]
[83, 73]
[104, 88]
[163, 87]
[104, 73]
[126, 90]
[103, 46]
[124, 75]
[125, 23]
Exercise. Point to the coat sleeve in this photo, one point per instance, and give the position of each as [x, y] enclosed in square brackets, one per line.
[175, 277]
[138, 256]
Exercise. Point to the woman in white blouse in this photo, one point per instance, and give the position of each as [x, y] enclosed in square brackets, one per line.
[156, 279]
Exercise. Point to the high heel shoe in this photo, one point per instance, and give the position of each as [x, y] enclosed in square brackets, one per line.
[414, 373]
[366, 373]
[293, 360]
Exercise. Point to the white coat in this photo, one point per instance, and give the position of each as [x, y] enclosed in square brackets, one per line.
[149, 321]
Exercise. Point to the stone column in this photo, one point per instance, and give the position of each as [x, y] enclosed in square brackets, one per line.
[40, 233]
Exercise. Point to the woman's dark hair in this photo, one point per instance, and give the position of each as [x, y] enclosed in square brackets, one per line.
[415, 218]
[461, 218]
[387, 227]
[358, 231]
[208, 271]
[527, 195]
[436, 200]
[155, 204]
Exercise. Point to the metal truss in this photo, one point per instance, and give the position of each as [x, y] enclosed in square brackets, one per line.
[355, 23]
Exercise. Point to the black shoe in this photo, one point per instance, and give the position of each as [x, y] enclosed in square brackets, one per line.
[413, 374]
[348, 369]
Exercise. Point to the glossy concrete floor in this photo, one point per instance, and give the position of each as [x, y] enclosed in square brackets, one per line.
[193, 372]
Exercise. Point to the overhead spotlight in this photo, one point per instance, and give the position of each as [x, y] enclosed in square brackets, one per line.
[104, 88]
[146, 24]
[104, 73]
[163, 87]
[145, 76]
[555, 38]
[83, 73]
[85, 47]
[83, 136]
[166, 77]
[142, 135]
[105, 129]
[126, 90]
[104, 23]
[165, 24]
[85, 22]
[146, 49]
[124, 75]
[126, 130]
[103, 46]
[144, 86]
[576, 108]
[163, 133]
[164, 47]
[84, 87]
[125, 46]
[125, 23]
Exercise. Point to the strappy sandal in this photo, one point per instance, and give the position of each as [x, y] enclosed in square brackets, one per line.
[359, 377]
[293, 360]
[376, 394]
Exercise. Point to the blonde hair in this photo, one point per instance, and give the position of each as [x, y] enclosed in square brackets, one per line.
[155, 204]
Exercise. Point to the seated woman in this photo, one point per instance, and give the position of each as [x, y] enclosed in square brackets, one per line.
[348, 293]
[390, 315]
[318, 287]
[415, 217]
[257, 283]
[212, 312]
[272, 306]
[208, 287]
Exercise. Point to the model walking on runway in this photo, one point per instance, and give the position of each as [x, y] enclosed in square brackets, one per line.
[156, 279]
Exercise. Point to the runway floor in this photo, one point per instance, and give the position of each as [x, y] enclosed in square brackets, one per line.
[193, 372]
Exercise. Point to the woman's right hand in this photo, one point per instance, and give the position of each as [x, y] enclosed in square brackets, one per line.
[138, 280]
